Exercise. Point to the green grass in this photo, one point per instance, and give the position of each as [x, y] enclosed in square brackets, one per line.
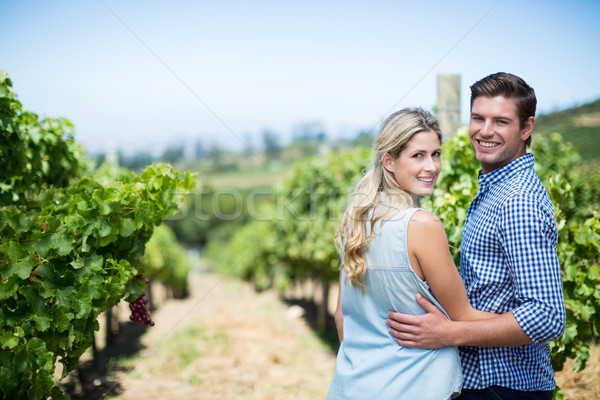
[578, 125]
[180, 349]
[247, 179]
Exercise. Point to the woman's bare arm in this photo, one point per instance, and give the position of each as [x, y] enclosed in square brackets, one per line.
[431, 259]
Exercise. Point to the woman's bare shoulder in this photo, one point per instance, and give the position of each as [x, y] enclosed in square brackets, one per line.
[426, 219]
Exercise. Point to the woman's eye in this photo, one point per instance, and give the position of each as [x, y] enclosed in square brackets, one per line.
[419, 155]
[437, 154]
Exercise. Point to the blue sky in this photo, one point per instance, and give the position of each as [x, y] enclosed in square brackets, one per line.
[144, 74]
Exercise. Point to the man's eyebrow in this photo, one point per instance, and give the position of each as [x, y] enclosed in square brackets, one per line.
[502, 117]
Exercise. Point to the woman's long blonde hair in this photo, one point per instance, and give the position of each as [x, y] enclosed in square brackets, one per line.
[351, 238]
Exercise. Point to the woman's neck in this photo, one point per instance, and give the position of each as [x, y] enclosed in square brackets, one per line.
[416, 199]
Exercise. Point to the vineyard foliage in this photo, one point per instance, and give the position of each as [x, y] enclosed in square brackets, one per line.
[297, 241]
[71, 239]
[251, 255]
[292, 239]
[310, 205]
[35, 153]
[165, 260]
[215, 213]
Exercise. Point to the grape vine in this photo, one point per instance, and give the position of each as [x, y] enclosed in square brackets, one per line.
[71, 239]
[139, 306]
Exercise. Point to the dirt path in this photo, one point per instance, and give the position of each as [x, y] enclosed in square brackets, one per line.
[227, 342]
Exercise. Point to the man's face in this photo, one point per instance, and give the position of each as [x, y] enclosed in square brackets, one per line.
[495, 133]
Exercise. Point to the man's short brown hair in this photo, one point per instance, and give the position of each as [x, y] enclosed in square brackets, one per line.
[511, 87]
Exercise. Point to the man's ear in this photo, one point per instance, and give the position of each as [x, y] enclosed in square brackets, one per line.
[387, 162]
[528, 128]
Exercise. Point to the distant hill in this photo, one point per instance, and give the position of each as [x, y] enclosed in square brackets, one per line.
[578, 125]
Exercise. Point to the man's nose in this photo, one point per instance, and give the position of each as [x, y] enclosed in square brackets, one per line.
[488, 128]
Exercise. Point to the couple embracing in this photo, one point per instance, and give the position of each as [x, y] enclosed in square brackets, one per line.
[410, 325]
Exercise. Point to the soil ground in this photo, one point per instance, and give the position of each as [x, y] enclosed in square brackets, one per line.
[225, 341]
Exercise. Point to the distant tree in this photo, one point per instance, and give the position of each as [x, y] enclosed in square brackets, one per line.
[199, 152]
[365, 139]
[173, 154]
[309, 131]
[215, 154]
[136, 161]
[99, 158]
[248, 149]
[307, 139]
[271, 143]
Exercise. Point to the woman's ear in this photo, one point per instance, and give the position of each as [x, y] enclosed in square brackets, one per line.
[387, 162]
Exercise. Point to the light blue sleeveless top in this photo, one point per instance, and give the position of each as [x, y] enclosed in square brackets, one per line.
[370, 364]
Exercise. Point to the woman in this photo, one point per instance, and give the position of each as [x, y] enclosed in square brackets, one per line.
[391, 250]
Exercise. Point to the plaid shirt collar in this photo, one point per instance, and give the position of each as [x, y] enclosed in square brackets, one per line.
[486, 181]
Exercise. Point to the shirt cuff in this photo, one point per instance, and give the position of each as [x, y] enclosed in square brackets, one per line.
[540, 322]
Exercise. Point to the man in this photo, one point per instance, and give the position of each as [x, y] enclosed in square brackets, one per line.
[508, 259]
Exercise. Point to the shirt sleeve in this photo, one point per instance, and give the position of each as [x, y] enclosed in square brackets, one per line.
[528, 237]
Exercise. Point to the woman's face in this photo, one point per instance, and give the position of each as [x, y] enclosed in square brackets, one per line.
[418, 166]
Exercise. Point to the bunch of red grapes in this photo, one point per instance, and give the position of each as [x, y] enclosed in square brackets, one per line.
[139, 307]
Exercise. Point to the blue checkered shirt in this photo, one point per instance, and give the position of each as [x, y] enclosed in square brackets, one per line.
[509, 263]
